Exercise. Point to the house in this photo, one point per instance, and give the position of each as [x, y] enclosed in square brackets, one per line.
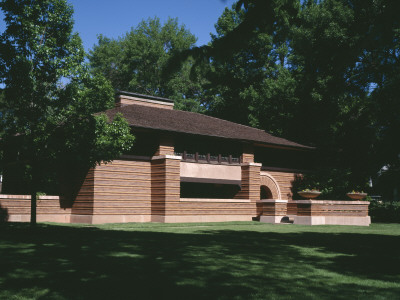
[189, 167]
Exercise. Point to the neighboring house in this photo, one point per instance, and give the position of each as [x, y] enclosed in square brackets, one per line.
[189, 167]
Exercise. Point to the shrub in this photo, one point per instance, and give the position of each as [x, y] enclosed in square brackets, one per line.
[386, 212]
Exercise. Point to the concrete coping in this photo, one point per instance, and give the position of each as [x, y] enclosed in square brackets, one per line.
[4, 196]
[215, 200]
[167, 156]
[273, 201]
[252, 164]
[49, 197]
[349, 202]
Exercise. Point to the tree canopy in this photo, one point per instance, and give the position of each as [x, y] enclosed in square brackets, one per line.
[49, 95]
[322, 73]
[136, 62]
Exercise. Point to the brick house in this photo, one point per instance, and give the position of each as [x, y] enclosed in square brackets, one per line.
[189, 167]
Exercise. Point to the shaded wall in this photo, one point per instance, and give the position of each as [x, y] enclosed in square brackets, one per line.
[18, 208]
[119, 191]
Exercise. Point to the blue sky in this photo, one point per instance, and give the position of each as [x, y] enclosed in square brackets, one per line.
[114, 18]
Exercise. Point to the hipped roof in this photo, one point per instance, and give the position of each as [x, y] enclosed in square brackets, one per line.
[147, 117]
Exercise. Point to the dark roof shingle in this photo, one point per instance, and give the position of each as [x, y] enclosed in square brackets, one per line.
[193, 123]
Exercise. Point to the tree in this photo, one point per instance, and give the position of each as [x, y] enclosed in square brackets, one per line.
[323, 73]
[251, 86]
[341, 49]
[136, 62]
[49, 97]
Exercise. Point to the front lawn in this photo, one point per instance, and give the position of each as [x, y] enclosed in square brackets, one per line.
[241, 260]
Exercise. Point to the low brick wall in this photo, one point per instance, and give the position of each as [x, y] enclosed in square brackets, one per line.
[330, 212]
[332, 208]
[272, 211]
[17, 208]
[316, 212]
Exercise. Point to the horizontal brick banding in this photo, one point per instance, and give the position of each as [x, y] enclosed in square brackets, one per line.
[165, 184]
[211, 208]
[273, 208]
[121, 188]
[18, 208]
[83, 202]
[247, 157]
[332, 208]
[292, 208]
[285, 182]
[250, 188]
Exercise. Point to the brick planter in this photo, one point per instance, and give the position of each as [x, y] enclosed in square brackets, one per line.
[316, 212]
[329, 212]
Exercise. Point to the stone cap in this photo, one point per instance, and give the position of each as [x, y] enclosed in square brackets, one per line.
[167, 156]
[251, 164]
[331, 202]
[273, 201]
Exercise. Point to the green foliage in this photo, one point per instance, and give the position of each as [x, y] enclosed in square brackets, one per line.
[334, 183]
[112, 138]
[136, 62]
[39, 49]
[384, 212]
[1, 132]
[251, 85]
[335, 48]
[387, 181]
[49, 95]
[323, 73]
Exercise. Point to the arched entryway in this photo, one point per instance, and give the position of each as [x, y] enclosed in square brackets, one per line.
[265, 193]
[269, 188]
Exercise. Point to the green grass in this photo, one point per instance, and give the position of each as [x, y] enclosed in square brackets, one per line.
[241, 260]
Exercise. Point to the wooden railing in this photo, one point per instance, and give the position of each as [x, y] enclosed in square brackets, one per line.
[208, 158]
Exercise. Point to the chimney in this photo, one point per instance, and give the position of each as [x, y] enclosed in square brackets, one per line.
[127, 98]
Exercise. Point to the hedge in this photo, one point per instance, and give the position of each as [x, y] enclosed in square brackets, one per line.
[384, 212]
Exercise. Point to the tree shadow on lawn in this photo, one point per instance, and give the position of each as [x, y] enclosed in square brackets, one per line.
[58, 262]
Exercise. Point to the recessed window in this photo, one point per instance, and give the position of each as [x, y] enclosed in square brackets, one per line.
[208, 190]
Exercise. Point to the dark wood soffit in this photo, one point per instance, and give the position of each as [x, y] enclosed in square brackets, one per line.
[286, 170]
[310, 149]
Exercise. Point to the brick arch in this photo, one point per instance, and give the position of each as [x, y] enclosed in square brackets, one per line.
[269, 181]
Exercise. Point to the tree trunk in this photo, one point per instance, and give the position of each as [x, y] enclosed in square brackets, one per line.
[33, 196]
[33, 208]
